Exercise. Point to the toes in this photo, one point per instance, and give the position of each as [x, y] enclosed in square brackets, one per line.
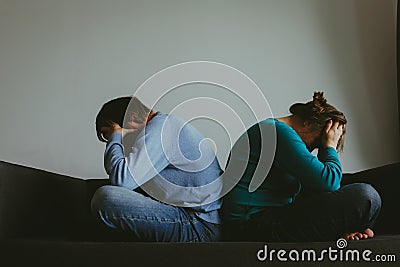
[369, 232]
[347, 236]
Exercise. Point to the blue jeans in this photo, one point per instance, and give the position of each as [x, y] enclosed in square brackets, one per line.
[146, 219]
[313, 217]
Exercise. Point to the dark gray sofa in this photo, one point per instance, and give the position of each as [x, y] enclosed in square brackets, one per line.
[45, 220]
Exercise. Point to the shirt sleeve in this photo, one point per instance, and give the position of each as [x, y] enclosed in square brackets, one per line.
[146, 160]
[116, 165]
[322, 173]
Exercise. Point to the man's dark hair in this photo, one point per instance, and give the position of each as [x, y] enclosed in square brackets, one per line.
[114, 111]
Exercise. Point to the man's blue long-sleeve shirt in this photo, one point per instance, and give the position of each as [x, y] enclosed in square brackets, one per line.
[169, 150]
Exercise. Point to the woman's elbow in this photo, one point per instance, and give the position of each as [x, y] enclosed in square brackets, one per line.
[332, 180]
[332, 187]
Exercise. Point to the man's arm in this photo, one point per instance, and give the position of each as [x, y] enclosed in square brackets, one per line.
[115, 163]
[146, 160]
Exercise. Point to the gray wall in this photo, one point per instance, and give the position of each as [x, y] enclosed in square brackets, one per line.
[60, 60]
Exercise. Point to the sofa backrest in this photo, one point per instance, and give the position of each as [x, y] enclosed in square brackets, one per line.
[40, 204]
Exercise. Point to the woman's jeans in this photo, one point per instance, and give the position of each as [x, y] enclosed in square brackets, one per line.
[315, 217]
[146, 219]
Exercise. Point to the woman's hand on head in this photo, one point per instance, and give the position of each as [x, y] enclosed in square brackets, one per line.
[332, 133]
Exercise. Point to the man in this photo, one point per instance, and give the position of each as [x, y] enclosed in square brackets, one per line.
[168, 159]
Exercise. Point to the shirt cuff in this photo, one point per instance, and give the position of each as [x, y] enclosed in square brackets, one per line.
[115, 138]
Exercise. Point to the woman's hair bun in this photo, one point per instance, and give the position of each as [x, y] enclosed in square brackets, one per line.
[319, 98]
[318, 103]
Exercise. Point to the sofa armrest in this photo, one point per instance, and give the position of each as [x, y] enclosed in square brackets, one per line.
[40, 204]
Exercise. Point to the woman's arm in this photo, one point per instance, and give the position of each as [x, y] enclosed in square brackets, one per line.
[322, 173]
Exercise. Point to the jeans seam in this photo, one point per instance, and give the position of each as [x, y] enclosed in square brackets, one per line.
[146, 219]
[205, 233]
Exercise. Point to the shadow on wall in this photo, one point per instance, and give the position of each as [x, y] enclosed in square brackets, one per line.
[378, 66]
[362, 57]
[398, 57]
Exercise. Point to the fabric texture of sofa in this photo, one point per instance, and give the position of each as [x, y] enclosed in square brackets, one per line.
[45, 220]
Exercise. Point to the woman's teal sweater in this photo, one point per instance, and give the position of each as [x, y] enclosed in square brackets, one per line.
[294, 169]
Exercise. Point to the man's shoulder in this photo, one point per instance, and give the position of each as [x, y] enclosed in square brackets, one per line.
[164, 118]
[170, 124]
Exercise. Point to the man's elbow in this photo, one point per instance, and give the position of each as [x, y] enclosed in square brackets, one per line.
[122, 180]
[122, 183]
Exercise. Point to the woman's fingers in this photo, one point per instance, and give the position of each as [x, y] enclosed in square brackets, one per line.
[333, 132]
[336, 125]
[328, 126]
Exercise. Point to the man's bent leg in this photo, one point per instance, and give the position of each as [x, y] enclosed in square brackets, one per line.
[148, 219]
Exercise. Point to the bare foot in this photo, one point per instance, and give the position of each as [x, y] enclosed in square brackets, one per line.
[368, 233]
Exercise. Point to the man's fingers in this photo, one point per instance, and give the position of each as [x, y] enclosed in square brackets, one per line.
[127, 130]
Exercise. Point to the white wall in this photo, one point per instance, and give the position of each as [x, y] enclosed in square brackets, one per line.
[61, 59]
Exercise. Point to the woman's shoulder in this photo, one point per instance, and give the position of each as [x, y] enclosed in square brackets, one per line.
[282, 129]
[275, 123]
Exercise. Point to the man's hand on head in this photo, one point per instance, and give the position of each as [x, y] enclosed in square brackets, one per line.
[110, 129]
[113, 127]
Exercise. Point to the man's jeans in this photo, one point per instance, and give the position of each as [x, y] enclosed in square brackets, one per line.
[316, 217]
[146, 219]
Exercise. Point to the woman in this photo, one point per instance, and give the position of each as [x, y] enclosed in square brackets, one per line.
[301, 198]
